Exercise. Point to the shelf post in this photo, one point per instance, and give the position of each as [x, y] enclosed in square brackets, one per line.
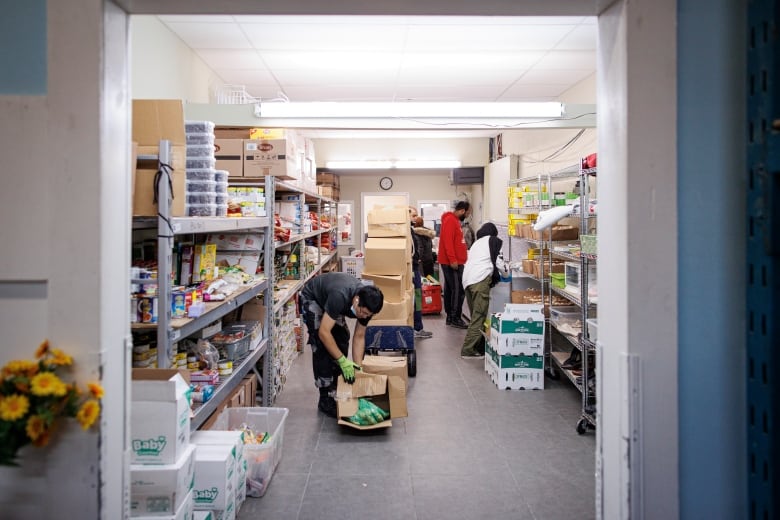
[164, 248]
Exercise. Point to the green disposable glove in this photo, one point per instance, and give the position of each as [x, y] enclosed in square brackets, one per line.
[347, 369]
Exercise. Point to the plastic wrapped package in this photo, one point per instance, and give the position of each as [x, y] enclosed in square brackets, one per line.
[206, 174]
[199, 138]
[202, 197]
[201, 210]
[199, 127]
[221, 176]
[200, 163]
[197, 151]
[200, 186]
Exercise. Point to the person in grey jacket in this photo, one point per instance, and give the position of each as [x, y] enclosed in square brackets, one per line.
[424, 237]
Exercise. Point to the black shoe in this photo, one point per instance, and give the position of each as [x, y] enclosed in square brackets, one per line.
[459, 324]
[327, 405]
[574, 361]
[449, 320]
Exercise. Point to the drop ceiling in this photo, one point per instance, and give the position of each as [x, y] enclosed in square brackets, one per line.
[392, 58]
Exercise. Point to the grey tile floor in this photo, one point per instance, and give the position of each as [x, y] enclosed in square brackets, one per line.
[466, 451]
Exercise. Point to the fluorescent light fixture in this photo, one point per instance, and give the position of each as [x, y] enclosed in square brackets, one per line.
[374, 165]
[411, 110]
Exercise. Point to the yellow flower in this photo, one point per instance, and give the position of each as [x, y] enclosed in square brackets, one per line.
[43, 439]
[43, 348]
[88, 412]
[35, 427]
[20, 367]
[96, 390]
[14, 407]
[47, 383]
[60, 358]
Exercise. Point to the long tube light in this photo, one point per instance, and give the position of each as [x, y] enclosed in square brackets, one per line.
[383, 165]
[411, 110]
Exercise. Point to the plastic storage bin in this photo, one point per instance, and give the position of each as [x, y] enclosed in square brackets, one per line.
[200, 186]
[352, 265]
[566, 316]
[197, 151]
[558, 280]
[200, 163]
[199, 138]
[201, 210]
[221, 176]
[206, 174]
[199, 127]
[201, 198]
[232, 342]
[261, 459]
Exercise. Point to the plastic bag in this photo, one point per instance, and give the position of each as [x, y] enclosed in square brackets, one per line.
[368, 413]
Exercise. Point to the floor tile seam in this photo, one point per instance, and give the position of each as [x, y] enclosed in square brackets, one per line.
[303, 495]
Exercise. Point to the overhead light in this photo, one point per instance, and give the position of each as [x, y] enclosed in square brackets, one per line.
[406, 164]
[410, 109]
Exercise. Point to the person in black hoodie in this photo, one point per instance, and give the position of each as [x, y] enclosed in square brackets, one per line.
[424, 237]
[482, 271]
[419, 331]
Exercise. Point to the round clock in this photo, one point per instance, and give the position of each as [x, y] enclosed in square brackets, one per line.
[385, 183]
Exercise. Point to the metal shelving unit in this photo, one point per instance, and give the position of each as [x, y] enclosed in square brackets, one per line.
[171, 330]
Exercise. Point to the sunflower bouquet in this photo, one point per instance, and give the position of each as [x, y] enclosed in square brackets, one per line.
[33, 398]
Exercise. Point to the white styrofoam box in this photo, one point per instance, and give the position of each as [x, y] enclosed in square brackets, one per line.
[159, 420]
[227, 438]
[261, 458]
[202, 515]
[184, 512]
[161, 488]
[510, 344]
[215, 466]
[593, 329]
[515, 372]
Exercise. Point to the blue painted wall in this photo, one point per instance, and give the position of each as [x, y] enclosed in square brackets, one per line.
[23, 47]
[711, 74]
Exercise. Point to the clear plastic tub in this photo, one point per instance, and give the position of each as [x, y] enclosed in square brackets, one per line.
[199, 127]
[201, 210]
[221, 199]
[200, 163]
[222, 210]
[206, 174]
[199, 138]
[222, 187]
[261, 459]
[201, 198]
[221, 176]
[198, 151]
[200, 186]
[566, 315]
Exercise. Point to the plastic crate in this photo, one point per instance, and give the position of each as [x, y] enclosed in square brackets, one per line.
[261, 459]
[352, 265]
[232, 342]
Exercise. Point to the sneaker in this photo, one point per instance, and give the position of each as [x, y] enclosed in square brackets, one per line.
[423, 334]
[472, 355]
[327, 405]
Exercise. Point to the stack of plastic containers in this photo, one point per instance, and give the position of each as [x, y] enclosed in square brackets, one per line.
[221, 178]
[201, 185]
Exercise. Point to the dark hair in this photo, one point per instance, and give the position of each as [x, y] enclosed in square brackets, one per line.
[462, 204]
[488, 228]
[371, 297]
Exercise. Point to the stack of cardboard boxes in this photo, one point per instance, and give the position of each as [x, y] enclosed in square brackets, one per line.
[328, 185]
[388, 263]
[514, 356]
[257, 152]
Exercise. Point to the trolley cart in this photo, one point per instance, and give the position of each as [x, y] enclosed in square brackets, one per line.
[393, 338]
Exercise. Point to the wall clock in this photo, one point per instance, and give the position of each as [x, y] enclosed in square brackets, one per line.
[385, 183]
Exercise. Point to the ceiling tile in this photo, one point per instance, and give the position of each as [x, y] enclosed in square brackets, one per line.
[554, 77]
[325, 37]
[568, 60]
[196, 18]
[341, 77]
[247, 77]
[210, 35]
[341, 61]
[500, 61]
[344, 92]
[540, 92]
[448, 92]
[222, 59]
[582, 37]
[485, 38]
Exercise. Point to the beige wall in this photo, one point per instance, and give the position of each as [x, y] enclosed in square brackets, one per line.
[163, 67]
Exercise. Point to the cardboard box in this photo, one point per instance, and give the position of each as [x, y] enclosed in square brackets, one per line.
[157, 119]
[387, 393]
[268, 133]
[215, 466]
[143, 186]
[328, 179]
[162, 488]
[231, 132]
[160, 416]
[329, 192]
[387, 256]
[391, 366]
[202, 515]
[234, 439]
[228, 153]
[393, 286]
[516, 344]
[184, 512]
[514, 372]
[275, 157]
[389, 221]
[395, 311]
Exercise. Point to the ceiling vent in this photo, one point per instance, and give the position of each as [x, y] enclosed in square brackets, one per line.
[467, 175]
